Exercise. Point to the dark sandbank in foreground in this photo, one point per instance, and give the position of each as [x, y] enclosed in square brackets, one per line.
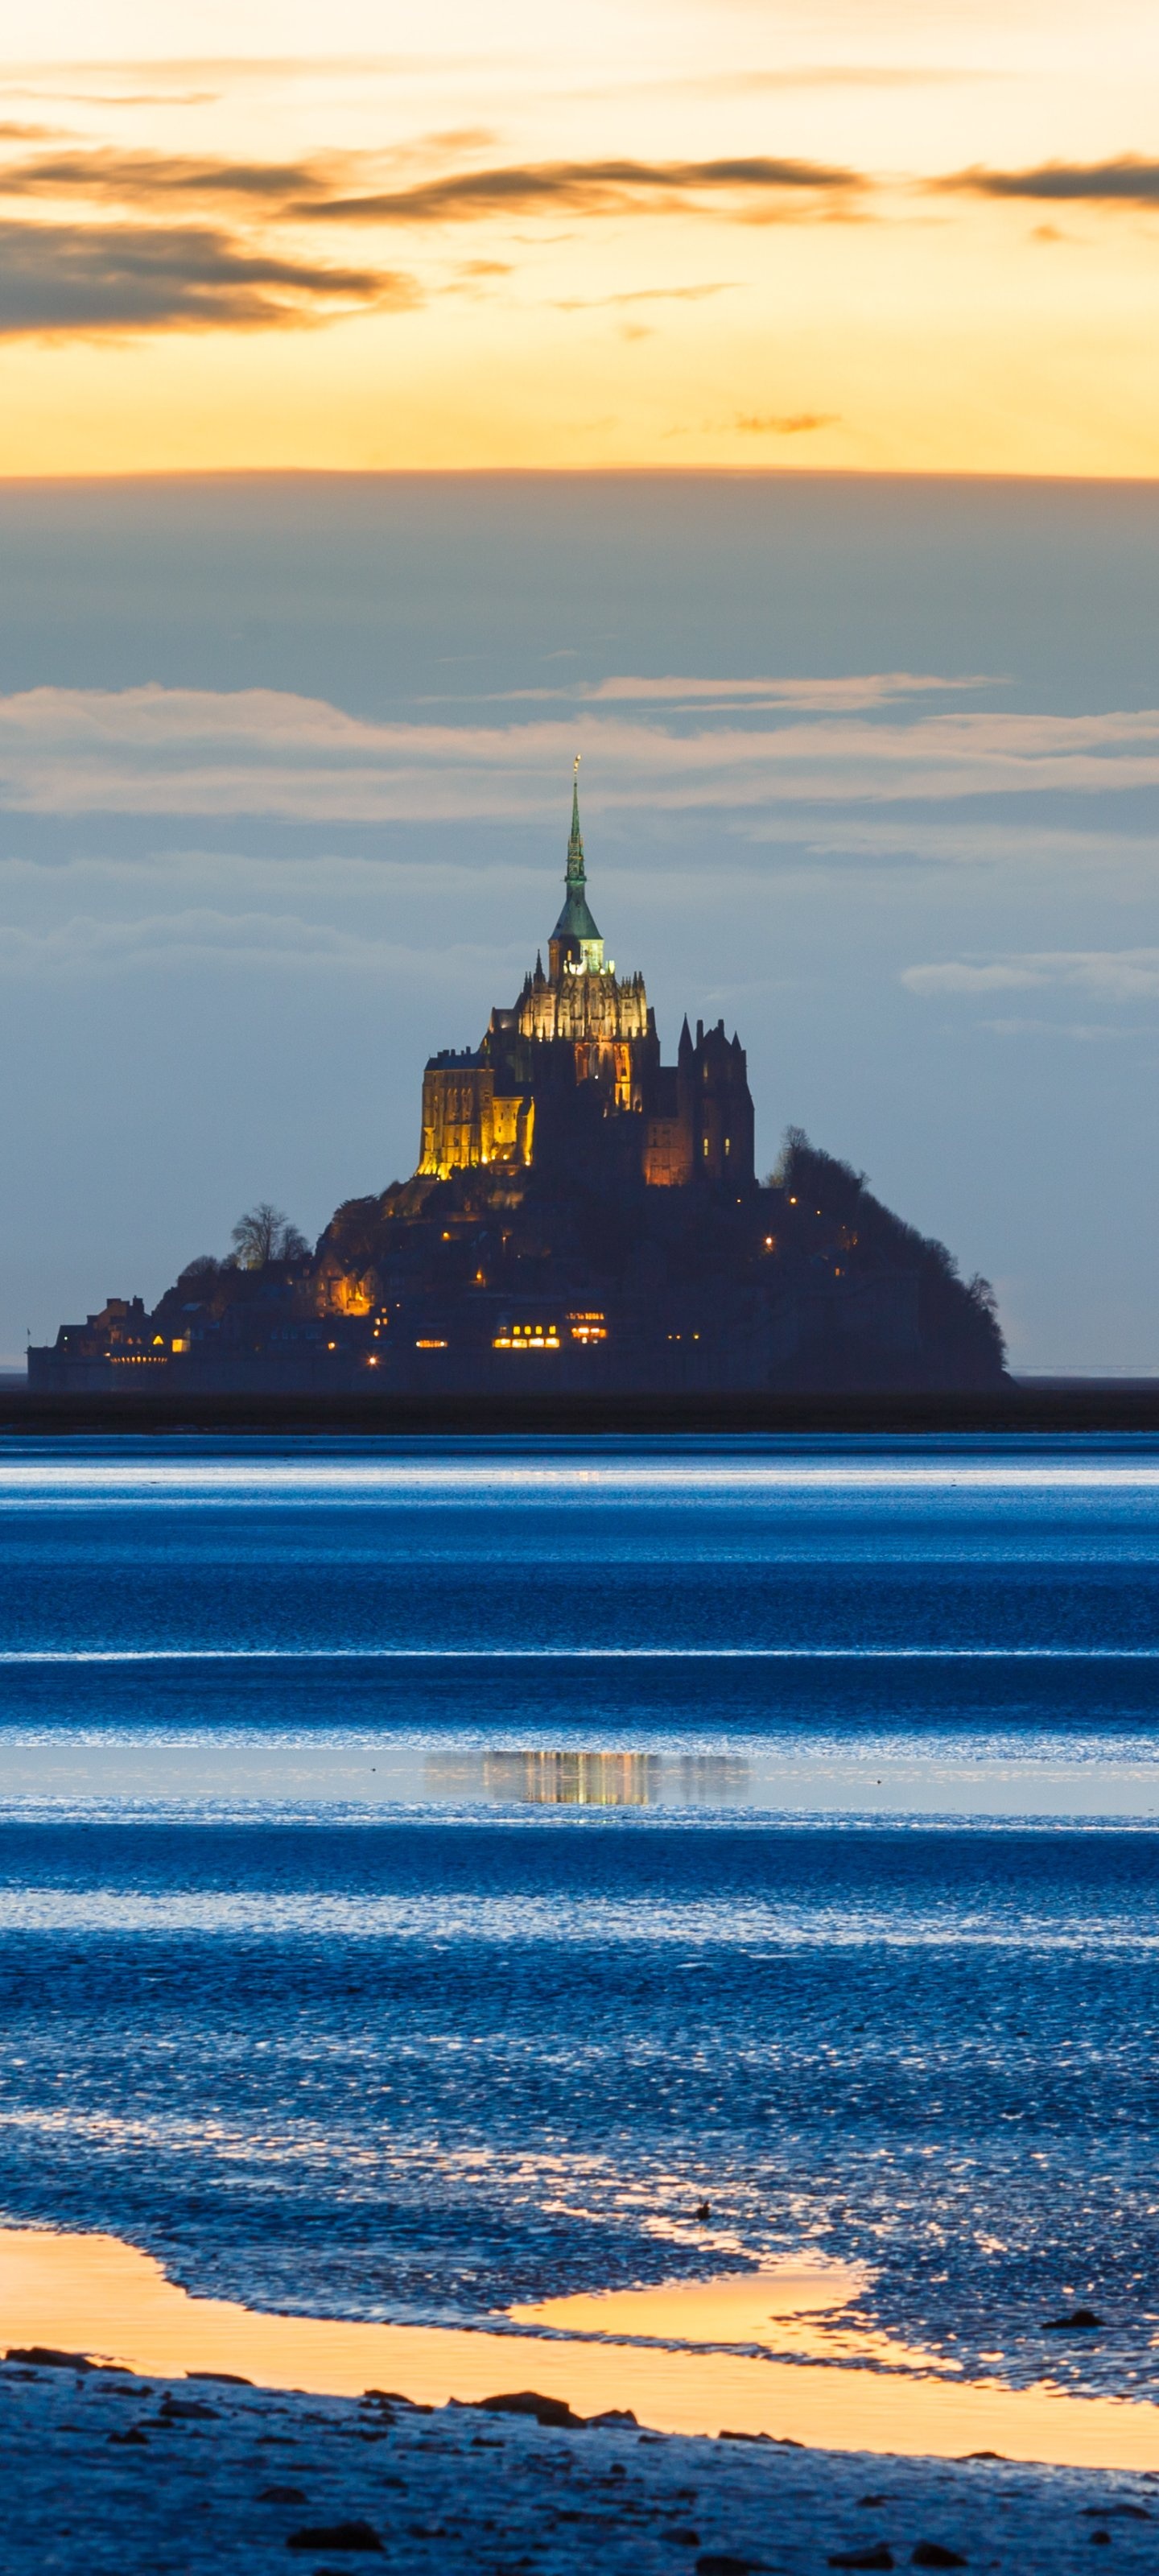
[207, 2476]
[206, 2469]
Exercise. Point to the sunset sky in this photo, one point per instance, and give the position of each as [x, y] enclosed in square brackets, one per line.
[763, 402]
[658, 232]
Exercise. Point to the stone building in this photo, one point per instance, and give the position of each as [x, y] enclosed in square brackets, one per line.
[578, 1051]
[585, 1220]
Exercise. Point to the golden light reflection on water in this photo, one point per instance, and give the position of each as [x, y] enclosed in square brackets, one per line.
[574, 1779]
[787, 2308]
[95, 2295]
[575, 1776]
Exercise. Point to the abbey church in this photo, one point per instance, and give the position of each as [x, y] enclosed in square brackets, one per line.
[584, 1220]
[580, 1045]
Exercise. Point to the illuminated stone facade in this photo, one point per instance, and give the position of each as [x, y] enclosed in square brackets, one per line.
[584, 1222]
[580, 1036]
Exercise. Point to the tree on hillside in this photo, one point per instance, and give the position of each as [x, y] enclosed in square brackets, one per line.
[263, 1235]
[959, 1314]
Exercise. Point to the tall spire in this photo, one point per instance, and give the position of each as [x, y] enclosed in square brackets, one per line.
[575, 941]
[575, 848]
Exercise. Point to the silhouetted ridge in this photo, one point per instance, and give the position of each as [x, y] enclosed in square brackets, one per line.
[583, 1219]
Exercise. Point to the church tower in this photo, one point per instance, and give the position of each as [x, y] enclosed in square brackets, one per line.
[575, 946]
[571, 1073]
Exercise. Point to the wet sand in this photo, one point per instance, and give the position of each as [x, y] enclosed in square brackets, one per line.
[106, 2474]
[766, 2353]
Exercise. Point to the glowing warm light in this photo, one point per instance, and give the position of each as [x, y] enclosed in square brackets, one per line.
[428, 1343]
[589, 1327]
[94, 2295]
[572, 1778]
[895, 307]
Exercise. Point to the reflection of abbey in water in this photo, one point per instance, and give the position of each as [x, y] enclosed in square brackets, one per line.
[554, 1776]
[580, 1047]
[584, 1219]
[573, 1779]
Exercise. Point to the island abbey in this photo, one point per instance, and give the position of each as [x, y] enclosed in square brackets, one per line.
[583, 1219]
[582, 1029]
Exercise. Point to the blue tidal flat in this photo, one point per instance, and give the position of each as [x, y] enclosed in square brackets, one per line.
[430, 1870]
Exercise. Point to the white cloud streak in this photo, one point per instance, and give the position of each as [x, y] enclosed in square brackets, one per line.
[264, 752]
[199, 936]
[1116, 974]
[857, 690]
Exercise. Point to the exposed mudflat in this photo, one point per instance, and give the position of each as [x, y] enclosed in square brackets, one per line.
[104, 2472]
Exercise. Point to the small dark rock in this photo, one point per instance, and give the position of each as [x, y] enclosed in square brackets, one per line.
[282, 2495]
[934, 2553]
[1079, 2321]
[683, 2538]
[1101, 2539]
[703, 2213]
[721, 2562]
[45, 2357]
[134, 2435]
[613, 2415]
[228, 2378]
[878, 2556]
[553, 2411]
[187, 2410]
[983, 2455]
[336, 2535]
[1109, 2512]
[872, 2500]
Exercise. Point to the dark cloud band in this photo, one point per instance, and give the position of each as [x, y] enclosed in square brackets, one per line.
[158, 179]
[1128, 181]
[584, 187]
[339, 188]
[123, 277]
